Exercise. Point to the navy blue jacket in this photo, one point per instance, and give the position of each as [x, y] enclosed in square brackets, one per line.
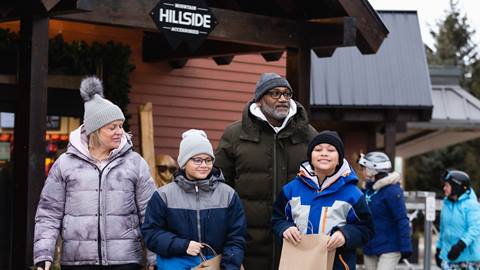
[338, 204]
[176, 209]
[392, 228]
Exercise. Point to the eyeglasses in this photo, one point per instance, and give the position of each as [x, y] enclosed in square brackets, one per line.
[278, 94]
[164, 168]
[199, 161]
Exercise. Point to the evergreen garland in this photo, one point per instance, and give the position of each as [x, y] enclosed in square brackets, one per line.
[110, 61]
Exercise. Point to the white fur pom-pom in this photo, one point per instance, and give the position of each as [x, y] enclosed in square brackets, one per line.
[89, 87]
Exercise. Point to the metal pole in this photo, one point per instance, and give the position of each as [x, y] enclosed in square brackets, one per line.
[429, 218]
[428, 245]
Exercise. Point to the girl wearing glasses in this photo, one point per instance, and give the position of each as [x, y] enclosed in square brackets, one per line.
[196, 208]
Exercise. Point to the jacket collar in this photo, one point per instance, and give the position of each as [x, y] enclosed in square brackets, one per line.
[331, 183]
[252, 125]
[390, 179]
[78, 145]
[208, 184]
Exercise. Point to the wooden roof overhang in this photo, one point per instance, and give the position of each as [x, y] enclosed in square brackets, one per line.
[247, 26]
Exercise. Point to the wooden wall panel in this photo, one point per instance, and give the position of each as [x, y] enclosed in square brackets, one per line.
[201, 95]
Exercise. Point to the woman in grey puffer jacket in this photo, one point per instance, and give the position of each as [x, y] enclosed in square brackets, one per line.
[95, 194]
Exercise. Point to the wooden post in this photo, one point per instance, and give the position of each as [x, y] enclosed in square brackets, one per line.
[147, 145]
[298, 74]
[30, 118]
[389, 141]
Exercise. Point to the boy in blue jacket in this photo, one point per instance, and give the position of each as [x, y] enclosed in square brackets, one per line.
[197, 208]
[324, 198]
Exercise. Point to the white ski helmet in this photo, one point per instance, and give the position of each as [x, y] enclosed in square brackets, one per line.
[376, 161]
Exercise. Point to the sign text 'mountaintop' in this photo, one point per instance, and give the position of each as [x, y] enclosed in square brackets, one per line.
[188, 21]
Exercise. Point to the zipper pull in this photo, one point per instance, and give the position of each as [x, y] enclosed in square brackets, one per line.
[196, 188]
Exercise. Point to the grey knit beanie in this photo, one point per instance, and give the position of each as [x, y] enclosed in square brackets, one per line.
[98, 110]
[194, 142]
[269, 81]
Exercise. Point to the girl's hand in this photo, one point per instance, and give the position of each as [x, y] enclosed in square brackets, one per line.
[336, 240]
[292, 235]
[194, 248]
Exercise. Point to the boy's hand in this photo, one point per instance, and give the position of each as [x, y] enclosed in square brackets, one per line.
[336, 240]
[292, 235]
[194, 248]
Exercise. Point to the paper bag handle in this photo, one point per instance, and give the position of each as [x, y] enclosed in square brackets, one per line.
[211, 249]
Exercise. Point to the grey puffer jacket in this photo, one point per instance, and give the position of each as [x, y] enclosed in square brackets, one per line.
[97, 211]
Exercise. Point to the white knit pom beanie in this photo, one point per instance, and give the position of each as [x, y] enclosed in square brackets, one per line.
[194, 142]
[98, 110]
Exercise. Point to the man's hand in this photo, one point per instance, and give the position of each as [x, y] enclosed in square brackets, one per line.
[152, 267]
[194, 248]
[292, 235]
[45, 265]
[336, 240]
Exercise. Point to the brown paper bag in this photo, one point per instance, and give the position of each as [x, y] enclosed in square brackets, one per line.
[310, 254]
[212, 263]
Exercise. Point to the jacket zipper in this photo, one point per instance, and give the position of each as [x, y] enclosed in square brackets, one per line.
[275, 167]
[199, 228]
[99, 238]
[274, 195]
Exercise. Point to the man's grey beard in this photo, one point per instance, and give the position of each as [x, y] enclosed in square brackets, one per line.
[270, 111]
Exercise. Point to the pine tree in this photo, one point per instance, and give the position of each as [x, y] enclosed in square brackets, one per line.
[453, 46]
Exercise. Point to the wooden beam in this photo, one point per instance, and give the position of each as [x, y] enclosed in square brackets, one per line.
[13, 10]
[30, 127]
[298, 74]
[371, 29]
[53, 81]
[179, 63]
[322, 53]
[145, 113]
[233, 26]
[389, 141]
[155, 48]
[223, 60]
[71, 6]
[49, 4]
[377, 114]
[272, 56]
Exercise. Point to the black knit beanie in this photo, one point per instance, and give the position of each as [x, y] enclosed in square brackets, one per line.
[330, 137]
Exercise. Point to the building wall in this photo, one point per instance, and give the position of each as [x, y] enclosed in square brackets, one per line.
[201, 95]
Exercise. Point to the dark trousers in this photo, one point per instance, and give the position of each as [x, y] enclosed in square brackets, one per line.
[131, 266]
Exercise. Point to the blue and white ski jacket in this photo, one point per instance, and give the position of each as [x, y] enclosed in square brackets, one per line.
[338, 204]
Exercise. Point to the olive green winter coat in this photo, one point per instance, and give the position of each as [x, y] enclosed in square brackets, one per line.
[257, 162]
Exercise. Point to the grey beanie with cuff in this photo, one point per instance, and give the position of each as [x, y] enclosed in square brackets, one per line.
[194, 142]
[269, 81]
[98, 110]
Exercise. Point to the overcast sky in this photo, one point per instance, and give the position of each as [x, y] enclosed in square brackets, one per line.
[431, 11]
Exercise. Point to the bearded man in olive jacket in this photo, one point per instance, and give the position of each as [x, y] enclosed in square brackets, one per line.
[259, 154]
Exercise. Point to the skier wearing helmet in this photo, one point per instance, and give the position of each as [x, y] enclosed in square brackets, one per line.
[386, 202]
[459, 244]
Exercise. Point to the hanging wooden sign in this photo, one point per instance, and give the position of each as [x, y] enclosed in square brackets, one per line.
[188, 21]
